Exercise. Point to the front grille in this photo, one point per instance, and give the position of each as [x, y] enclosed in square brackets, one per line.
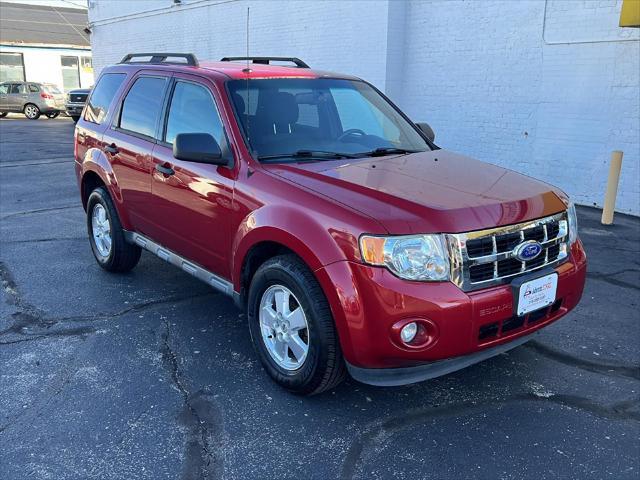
[78, 97]
[485, 258]
[515, 324]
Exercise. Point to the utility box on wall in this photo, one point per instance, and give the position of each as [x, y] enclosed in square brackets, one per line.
[630, 13]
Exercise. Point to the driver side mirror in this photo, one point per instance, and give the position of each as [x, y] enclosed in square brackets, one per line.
[427, 130]
[199, 148]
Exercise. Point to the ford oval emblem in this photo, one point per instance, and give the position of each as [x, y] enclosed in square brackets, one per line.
[527, 250]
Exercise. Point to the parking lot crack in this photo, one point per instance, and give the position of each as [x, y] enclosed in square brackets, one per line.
[629, 371]
[199, 416]
[379, 431]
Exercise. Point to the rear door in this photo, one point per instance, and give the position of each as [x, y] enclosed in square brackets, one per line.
[17, 97]
[192, 205]
[129, 144]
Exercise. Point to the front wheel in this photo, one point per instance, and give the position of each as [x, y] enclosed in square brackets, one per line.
[52, 115]
[31, 111]
[292, 327]
[110, 249]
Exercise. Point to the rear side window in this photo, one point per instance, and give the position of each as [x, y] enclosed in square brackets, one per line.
[142, 105]
[193, 111]
[101, 97]
[34, 88]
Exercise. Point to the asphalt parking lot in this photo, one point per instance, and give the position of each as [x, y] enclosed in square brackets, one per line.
[151, 374]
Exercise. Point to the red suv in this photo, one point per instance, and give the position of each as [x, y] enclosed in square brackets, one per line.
[354, 242]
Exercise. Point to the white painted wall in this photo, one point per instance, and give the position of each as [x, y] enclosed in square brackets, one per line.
[43, 64]
[548, 88]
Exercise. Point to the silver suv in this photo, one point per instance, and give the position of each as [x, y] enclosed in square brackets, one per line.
[32, 99]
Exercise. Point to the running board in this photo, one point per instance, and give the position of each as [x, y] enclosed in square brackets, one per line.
[173, 258]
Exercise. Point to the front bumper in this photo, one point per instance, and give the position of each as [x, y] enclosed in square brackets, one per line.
[367, 301]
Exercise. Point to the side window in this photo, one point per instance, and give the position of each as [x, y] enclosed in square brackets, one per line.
[17, 88]
[33, 88]
[4, 89]
[101, 97]
[142, 105]
[193, 110]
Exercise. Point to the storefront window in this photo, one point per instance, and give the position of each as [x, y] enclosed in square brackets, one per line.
[70, 73]
[11, 67]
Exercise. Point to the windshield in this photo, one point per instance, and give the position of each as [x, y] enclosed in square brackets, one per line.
[286, 117]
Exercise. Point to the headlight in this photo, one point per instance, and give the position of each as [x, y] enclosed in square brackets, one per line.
[573, 223]
[413, 257]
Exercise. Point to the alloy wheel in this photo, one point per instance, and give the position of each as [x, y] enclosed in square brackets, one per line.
[101, 228]
[31, 111]
[284, 327]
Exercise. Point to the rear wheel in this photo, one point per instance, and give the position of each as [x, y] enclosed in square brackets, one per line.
[52, 114]
[110, 249]
[292, 327]
[31, 111]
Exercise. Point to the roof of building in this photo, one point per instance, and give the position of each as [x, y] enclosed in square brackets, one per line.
[43, 25]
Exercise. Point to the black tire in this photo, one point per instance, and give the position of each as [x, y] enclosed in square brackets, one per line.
[324, 366]
[122, 256]
[75, 118]
[31, 111]
[52, 115]
[3, 114]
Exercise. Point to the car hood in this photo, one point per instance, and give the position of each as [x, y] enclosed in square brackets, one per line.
[437, 191]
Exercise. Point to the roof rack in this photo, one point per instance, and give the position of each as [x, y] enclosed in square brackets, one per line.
[190, 58]
[267, 60]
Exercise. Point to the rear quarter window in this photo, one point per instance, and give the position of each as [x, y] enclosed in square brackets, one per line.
[102, 96]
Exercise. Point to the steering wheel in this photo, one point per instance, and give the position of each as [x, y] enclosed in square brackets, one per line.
[350, 132]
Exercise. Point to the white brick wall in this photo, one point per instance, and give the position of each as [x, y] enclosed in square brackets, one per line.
[548, 88]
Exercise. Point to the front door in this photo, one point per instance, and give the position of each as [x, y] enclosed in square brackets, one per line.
[192, 202]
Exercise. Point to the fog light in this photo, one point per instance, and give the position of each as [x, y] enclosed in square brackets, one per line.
[408, 332]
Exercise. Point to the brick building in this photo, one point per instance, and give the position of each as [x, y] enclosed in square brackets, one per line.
[545, 87]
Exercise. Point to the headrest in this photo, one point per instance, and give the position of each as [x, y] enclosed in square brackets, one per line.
[239, 102]
[279, 108]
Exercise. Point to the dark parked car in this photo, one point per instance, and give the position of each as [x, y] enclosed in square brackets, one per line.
[75, 102]
[353, 241]
[30, 98]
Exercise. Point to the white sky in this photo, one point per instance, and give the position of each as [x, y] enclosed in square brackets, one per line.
[54, 3]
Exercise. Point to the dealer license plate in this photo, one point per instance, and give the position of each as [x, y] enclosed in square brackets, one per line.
[537, 294]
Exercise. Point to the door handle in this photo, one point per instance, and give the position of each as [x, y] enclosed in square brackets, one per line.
[164, 169]
[112, 149]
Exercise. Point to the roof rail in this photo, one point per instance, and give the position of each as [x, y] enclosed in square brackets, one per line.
[267, 60]
[161, 58]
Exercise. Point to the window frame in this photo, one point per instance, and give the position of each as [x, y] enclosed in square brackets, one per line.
[117, 114]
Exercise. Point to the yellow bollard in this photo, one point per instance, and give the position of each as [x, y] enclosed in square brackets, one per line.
[612, 187]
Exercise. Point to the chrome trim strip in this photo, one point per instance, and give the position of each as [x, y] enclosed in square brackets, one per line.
[173, 258]
[461, 262]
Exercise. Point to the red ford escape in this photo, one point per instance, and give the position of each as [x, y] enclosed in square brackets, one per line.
[354, 242]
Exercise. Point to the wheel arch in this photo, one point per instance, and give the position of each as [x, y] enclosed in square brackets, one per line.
[97, 171]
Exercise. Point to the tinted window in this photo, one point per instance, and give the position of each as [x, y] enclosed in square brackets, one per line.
[142, 105]
[17, 88]
[101, 97]
[34, 88]
[193, 111]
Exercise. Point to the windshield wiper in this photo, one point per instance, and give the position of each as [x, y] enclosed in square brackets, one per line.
[379, 152]
[308, 154]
